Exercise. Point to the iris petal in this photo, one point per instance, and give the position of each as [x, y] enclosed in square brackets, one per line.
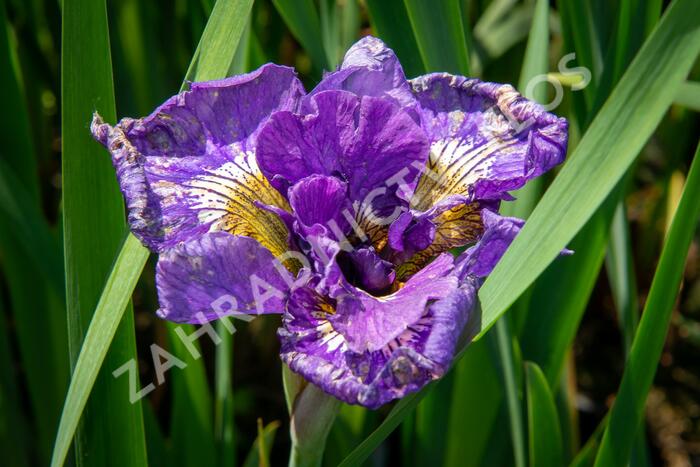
[369, 68]
[485, 139]
[383, 348]
[189, 168]
[219, 274]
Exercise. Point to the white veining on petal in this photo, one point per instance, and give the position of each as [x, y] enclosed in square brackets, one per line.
[225, 198]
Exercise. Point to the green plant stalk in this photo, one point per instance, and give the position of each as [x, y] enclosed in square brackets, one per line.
[312, 413]
[627, 411]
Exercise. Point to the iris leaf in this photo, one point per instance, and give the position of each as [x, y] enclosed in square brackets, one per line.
[93, 221]
[225, 22]
[627, 411]
[158, 455]
[440, 35]
[544, 437]
[547, 334]
[428, 444]
[492, 42]
[535, 64]
[474, 408]
[613, 140]
[217, 47]
[504, 342]
[302, 19]
[389, 20]
[108, 313]
[620, 271]
[192, 430]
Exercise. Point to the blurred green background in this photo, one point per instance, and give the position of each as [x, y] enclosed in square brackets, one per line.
[575, 323]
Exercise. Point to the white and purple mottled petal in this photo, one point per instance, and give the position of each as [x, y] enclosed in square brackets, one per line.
[190, 168]
[370, 350]
[370, 323]
[216, 275]
[486, 139]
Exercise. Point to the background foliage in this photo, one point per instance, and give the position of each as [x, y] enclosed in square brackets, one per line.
[594, 359]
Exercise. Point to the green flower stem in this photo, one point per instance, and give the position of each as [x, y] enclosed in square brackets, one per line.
[312, 413]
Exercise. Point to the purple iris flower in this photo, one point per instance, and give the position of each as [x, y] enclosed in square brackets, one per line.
[336, 208]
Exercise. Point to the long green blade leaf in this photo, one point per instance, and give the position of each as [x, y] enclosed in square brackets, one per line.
[605, 152]
[93, 221]
[440, 35]
[225, 20]
[217, 47]
[474, 407]
[102, 329]
[192, 426]
[389, 19]
[504, 342]
[543, 422]
[627, 410]
[302, 18]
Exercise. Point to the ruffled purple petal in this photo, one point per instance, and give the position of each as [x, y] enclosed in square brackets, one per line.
[485, 138]
[189, 167]
[499, 232]
[448, 318]
[369, 68]
[364, 141]
[219, 274]
[409, 233]
[370, 350]
[369, 323]
[320, 206]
